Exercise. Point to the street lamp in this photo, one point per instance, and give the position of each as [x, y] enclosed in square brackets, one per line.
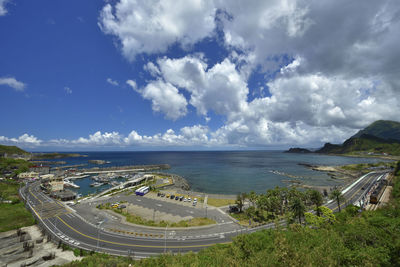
[98, 232]
[55, 225]
[165, 240]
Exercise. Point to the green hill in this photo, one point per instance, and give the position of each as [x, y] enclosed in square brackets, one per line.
[365, 143]
[12, 150]
[382, 129]
[378, 138]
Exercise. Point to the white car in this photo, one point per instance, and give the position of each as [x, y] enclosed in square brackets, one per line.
[189, 199]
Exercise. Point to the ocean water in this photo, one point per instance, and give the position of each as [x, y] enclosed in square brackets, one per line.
[225, 172]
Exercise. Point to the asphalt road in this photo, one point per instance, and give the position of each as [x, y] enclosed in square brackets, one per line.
[86, 227]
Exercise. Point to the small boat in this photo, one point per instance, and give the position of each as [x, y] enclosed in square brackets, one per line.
[68, 183]
[78, 176]
[96, 184]
[115, 183]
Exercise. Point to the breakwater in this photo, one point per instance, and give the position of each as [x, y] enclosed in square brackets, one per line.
[130, 168]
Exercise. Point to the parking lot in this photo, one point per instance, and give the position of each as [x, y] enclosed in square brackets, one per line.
[179, 199]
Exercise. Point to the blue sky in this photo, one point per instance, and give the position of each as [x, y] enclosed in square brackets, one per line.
[139, 75]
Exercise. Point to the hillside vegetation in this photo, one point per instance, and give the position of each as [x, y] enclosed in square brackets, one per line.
[378, 138]
[364, 143]
[370, 238]
[13, 167]
[56, 155]
[382, 129]
[11, 150]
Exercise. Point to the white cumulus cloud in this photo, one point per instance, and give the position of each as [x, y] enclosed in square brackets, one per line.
[68, 90]
[3, 9]
[24, 140]
[151, 26]
[329, 68]
[164, 98]
[220, 88]
[112, 82]
[13, 83]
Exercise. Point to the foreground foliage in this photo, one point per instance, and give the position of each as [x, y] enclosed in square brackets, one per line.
[349, 238]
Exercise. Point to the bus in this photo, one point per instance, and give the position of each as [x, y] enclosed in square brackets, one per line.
[142, 191]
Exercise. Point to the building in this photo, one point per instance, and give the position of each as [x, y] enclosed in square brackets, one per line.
[52, 183]
[40, 169]
[66, 195]
[26, 175]
[148, 177]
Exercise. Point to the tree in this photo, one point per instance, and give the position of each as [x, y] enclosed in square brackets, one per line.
[316, 199]
[298, 208]
[327, 217]
[336, 195]
[252, 198]
[240, 198]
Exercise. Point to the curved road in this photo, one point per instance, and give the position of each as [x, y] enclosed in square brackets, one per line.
[72, 227]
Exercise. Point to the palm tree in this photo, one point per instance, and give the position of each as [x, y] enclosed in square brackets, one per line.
[336, 195]
[316, 198]
[298, 208]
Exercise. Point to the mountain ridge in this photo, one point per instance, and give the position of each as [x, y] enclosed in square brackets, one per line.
[380, 137]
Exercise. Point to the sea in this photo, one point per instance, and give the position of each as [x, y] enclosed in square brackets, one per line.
[224, 172]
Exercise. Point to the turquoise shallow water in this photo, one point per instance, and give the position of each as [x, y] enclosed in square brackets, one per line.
[226, 172]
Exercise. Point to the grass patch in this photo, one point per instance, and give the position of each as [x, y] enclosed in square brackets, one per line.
[132, 218]
[367, 167]
[241, 217]
[14, 216]
[220, 202]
